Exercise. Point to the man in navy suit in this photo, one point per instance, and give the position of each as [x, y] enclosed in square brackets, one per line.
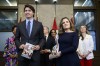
[30, 31]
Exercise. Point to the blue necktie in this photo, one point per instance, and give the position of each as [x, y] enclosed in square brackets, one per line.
[28, 28]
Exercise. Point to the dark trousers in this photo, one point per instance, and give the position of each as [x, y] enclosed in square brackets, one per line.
[45, 60]
[28, 62]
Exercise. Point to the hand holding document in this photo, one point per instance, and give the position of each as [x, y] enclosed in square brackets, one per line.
[45, 51]
[55, 52]
[28, 51]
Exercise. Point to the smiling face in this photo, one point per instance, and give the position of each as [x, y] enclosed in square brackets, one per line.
[65, 24]
[53, 33]
[83, 29]
[28, 13]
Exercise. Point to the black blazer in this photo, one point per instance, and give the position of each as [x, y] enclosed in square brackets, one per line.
[36, 37]
[49, 43]
[45, 57]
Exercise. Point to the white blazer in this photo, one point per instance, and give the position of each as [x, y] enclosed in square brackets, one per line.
[86, 45]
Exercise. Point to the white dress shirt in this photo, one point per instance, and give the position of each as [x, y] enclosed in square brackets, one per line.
[46, 36]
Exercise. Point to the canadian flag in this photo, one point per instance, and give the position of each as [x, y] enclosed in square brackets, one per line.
[54, 27]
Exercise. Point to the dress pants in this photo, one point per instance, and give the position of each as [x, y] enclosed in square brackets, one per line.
[28, 62]
[85, 62]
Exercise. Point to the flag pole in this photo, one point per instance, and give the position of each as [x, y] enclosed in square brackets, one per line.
[55, 14]
[55, 9]
[36, 10]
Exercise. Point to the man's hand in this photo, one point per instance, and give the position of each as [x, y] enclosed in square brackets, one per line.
[22, 46]
[45, 51]
[36, 47]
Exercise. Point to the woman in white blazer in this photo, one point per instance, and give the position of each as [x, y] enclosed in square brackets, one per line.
[85, 48]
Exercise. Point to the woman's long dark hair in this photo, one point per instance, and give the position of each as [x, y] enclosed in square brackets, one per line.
[80, 33]
[51, 32]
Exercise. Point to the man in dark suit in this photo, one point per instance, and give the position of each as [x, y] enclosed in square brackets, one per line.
[30, 31]
[46, 50]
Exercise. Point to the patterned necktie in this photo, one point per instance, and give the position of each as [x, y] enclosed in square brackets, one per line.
[28, 28]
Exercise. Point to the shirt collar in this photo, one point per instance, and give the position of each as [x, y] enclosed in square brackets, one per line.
[31, 20]
[46, 35]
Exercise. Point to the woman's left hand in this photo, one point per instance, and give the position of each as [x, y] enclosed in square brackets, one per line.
[58, 54]
[87, 54]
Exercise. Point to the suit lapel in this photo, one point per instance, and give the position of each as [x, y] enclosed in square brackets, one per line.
[48, 41]
[25, 30]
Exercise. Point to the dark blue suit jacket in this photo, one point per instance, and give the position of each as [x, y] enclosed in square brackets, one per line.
[36, 37]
